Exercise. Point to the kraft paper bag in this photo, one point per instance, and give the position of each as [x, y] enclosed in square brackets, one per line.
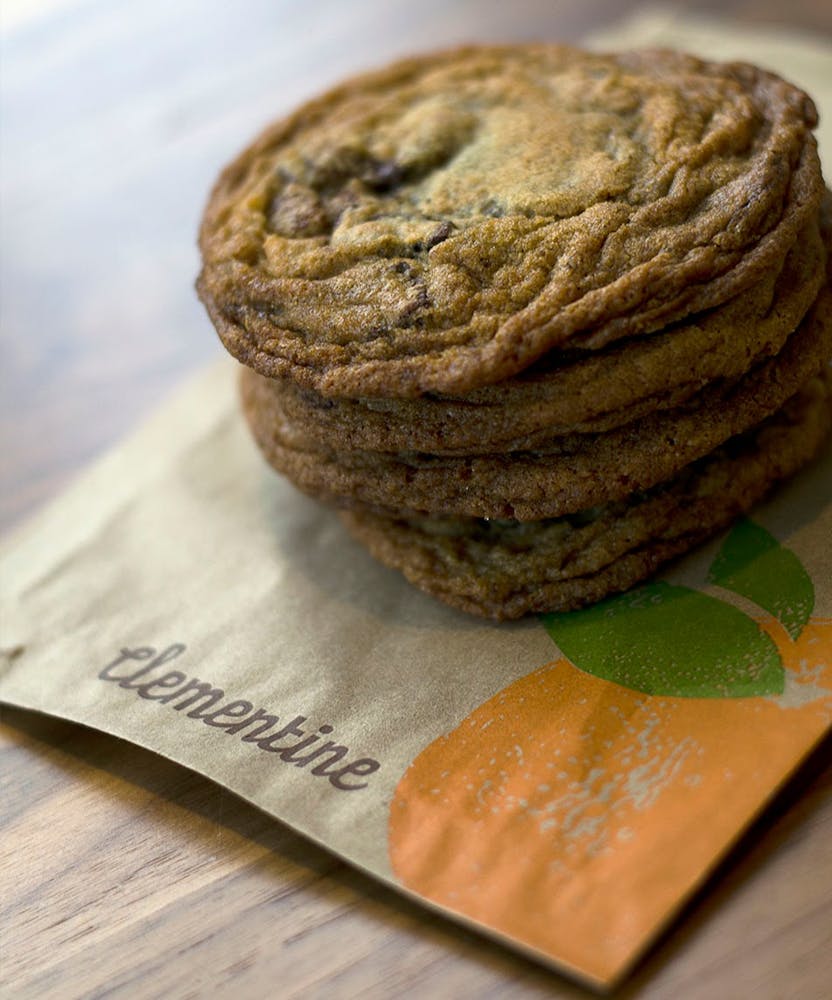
[563, 783]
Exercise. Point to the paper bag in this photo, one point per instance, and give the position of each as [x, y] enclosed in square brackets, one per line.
[564, 783]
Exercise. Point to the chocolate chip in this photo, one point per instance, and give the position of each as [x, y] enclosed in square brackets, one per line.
[344, 164]
[493, 208]
[441, 233]
[296, 211]
[383, 175]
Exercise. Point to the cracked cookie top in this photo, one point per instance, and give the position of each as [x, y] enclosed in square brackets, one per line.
[442, 224]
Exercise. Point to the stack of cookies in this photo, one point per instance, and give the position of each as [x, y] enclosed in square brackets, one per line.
[535, 320]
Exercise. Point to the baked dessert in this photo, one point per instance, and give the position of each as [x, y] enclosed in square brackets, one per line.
[584, 392]
[504, 569]
[535, 319]
[567, 473]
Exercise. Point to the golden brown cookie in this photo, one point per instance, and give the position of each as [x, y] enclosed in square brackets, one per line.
[569, 473]
[442, 224]
[539, 319]
[581, 393]
[507, 569]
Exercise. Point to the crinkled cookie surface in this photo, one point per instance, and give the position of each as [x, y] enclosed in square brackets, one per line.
[588, 392]
[506, 569]
[440, 225]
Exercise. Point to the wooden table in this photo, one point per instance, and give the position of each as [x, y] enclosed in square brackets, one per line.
[124, 875]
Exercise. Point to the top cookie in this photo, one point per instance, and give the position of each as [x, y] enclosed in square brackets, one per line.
[440, 225]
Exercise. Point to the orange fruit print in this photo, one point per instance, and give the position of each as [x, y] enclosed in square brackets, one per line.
[573, 814]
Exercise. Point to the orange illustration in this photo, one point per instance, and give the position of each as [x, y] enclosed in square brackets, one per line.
[573, 814]
[563, 775]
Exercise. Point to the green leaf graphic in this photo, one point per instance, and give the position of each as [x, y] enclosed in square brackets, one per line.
[668, 640]
[753, 563]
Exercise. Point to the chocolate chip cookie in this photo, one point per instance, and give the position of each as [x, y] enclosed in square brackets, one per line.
[536, 319]
[506, 569]
[442, 224]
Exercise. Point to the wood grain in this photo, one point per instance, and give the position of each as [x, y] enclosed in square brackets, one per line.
[123, 874]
